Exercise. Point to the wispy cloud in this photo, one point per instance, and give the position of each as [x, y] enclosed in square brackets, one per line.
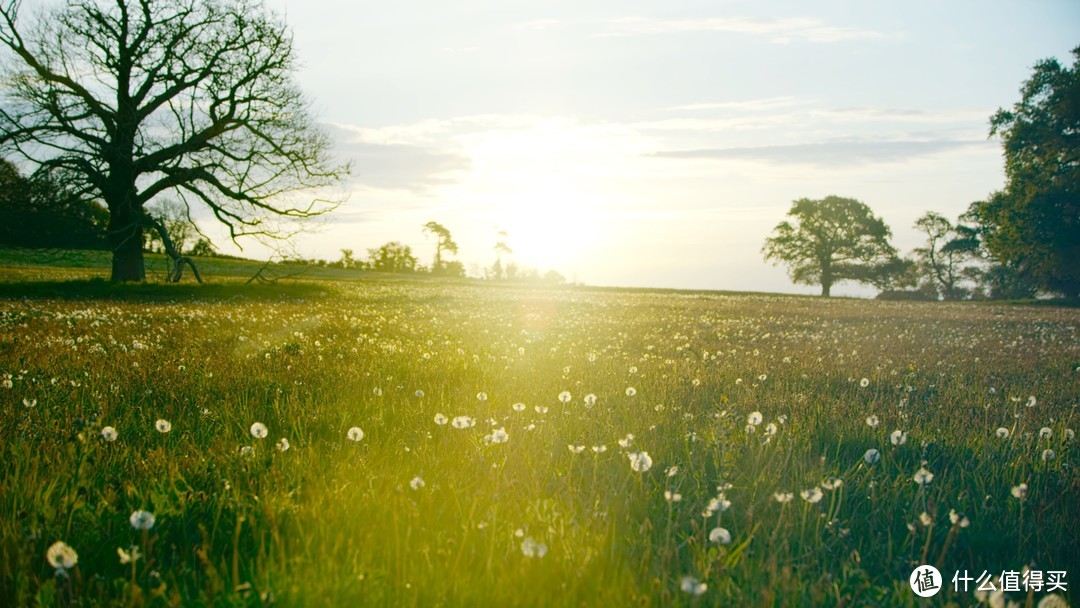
[397, 166]
[750, 105]
[833, 154]
[781, 31]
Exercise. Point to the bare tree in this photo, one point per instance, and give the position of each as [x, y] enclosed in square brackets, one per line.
[135, 98]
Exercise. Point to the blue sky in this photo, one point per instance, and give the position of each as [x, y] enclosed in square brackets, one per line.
[657, 144]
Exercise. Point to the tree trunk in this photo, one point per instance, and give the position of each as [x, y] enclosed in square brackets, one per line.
[826, 277]
[825, 288]
[126, 238]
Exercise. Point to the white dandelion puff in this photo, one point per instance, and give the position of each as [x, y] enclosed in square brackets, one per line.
[565, 397]
[283, 445]
[416, 483]
[355, 434]
[61, 556]
[142, 520]
[1002, 433]
[162, 425]
[590, 400]
[692, 586]
[719, 535]
[258, 430]
[531, 548]
[871, 456]
[1020, 491]
[922, 477]
[812, 496]
[872, 421]
[441, 419]
[898, 437]
[108, 433]
[754, 418]
[640, 461]
[783, 497]
[865, 382]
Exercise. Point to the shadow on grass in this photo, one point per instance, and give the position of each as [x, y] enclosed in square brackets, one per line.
[101, 289]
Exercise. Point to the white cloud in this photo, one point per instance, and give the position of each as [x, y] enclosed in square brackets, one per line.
[838, 154]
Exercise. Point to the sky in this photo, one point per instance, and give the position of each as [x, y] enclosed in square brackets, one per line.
[656, 144]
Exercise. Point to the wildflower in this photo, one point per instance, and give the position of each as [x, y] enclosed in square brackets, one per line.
[440, 419]
[162, 425]
[108, 433]
[832, 483]
[416, 483]
[258, 430]
[575, 449]
[481, 396]
[812, 496]
[1045, 433]
[29, 402]
[462, 422]
[419, 394]
[672, 496]
[247, 451]
[672, 471]
[519, 407]
[923, 477]
[958, 519]
[783, 497]
[873, 421]
[865, 382]
[531, 548]
[1032, 401]
[719, 535]
[377, 392]
[599, 449]
[631, 391]
[1020, 492]
[925, 519]
[691, 585]
[718, 504]
[355, 434]
[771, 429]
[142, 520]
[128, 558]
[754, 418]
[590, 400]
[541, 409]
[61, 556]
[283, 445]
[1069, 434]
[1048, 455]
[898, 437]
[1003, 433]
[499, 435]
[640, 461]
[565, 397]
[625, 441]
[871, 456]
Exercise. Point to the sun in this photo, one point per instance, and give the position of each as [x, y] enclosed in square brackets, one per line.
[549, 226]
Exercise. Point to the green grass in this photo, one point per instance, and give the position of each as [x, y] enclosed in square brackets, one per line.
[336, 522]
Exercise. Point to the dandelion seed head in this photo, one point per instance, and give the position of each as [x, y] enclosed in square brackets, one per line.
[61, 556]
[440, 419]
[720, 536]
[754, 418]
[258, 430]
[872, 456]
[162, 425]
[283, 445]
[640, 461]
[565, 397]
[1020, 491]
[1003, 433]
[872, 421]
[923, 477]
[108, 433]
[416, 483]
[898, 437]
[692, 586]
[142, 520]
[865, 382]
[812, 496]
[355, 434]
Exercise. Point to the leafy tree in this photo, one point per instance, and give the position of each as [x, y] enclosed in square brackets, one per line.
[347, 260]
[1033, 226]
[443, 243]
[130, 99]
[202, 248]
[832, 240]
[501, 249]
[39, 212]
[393, 257]
[945, 262]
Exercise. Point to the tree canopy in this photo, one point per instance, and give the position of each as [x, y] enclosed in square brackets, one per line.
[133, 99]
[832, 240]
[39, 213]
[1033, 225]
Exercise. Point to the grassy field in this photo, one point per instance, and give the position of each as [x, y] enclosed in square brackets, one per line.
[403, 443]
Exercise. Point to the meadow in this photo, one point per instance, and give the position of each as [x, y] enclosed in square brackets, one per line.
[405, 443]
